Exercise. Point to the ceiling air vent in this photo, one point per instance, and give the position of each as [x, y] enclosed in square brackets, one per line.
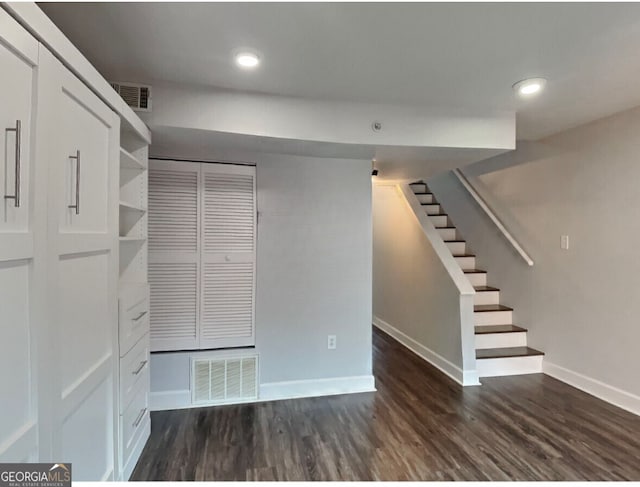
[224, 380]
[136, 96]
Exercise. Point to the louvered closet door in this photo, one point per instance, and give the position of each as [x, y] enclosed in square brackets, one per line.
[174, 254]
[228, 256]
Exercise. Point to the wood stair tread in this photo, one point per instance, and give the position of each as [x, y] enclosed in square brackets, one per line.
[506, 352]
[443, 228]
[464, 255]
[485, 289]
[485, 308]
[486, 329]
[474, 271]
[437, 214]
[455, 241]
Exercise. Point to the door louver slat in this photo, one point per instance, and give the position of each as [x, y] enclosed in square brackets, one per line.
[173, 211]
[229, 212]
[173, 300]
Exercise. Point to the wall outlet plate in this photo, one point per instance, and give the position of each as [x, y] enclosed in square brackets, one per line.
[331, 342]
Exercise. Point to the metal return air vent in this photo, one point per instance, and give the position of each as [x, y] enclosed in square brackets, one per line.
[224, 380]
[136, 96]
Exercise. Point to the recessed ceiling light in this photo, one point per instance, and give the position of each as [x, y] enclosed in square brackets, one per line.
[529, 87]
[247, 59]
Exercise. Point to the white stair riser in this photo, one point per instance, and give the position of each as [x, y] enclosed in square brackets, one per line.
[493, 367]
[466, 262]
[493, 318]
[477, 279]
[418, 188]
[457, 247]
[501, 340]
[425, 198]
[432, 209]
[447, 233]
[487, 297]
[439, 221]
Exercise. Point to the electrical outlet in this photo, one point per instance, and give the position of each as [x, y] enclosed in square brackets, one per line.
[564, 242]
[331, 342]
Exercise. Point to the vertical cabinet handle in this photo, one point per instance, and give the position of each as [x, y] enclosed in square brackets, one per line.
[77, 205]
[140, 367]
[16, 195]
[139, 418]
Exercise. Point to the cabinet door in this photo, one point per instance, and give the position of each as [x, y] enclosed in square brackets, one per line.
[21, 267]
[82, 146]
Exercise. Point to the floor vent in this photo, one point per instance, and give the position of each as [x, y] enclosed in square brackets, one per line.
[224, 380]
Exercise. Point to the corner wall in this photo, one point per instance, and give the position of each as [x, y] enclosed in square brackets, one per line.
[313, 279]
[581, 305]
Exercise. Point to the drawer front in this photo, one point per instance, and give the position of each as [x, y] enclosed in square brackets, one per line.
[134, 324]
[134, 371]
[135, 419]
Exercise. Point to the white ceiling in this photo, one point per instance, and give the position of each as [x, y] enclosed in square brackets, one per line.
[456, 56]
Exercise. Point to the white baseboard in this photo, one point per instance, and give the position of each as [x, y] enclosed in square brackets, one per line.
[161, 401]
[610, 394]
[464, 378]
[272, 391]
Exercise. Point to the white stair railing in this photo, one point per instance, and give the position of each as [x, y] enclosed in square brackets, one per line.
[491, 214]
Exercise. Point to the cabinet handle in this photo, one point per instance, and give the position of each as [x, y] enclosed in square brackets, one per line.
[140, 316]
[142, 364]
[16, 196]
[139, 418]
[77, 205]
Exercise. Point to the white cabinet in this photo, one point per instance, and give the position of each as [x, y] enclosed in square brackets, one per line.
[21, 265]
[74, 382]
[78, 136]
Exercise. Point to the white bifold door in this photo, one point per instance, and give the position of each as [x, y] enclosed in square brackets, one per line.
[202, 249]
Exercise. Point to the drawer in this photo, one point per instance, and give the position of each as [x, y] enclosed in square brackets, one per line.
[133, 322]
[134, 421]
[134, 371]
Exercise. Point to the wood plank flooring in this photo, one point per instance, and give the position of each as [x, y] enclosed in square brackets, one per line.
[420, 425]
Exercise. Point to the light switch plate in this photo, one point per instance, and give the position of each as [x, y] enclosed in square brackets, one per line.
[564, 242]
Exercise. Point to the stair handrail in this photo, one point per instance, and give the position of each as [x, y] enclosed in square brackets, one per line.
[491, 214]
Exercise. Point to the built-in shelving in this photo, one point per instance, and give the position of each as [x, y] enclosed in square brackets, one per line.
[129, 161]
[133, 239]
[131, 207]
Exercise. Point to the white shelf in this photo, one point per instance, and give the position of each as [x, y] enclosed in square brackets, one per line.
[132, 239]
[129, 161]
[131, 207]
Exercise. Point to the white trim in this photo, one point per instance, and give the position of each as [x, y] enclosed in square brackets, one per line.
[464, 378]
[163, 400]
[491, 214]
[612, 395]
[273, 391]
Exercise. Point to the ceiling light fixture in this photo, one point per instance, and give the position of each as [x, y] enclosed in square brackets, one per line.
[247, 59]
[529, 87]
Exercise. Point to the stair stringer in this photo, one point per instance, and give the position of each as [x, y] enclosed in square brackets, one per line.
[470, 375]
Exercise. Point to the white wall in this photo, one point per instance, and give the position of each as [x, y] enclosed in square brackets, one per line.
[580, 305]
[313, 278]
[414, 296]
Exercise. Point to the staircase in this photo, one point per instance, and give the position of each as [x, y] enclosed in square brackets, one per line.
[501, 346]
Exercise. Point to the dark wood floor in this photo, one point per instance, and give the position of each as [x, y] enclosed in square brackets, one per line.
[419, 425]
